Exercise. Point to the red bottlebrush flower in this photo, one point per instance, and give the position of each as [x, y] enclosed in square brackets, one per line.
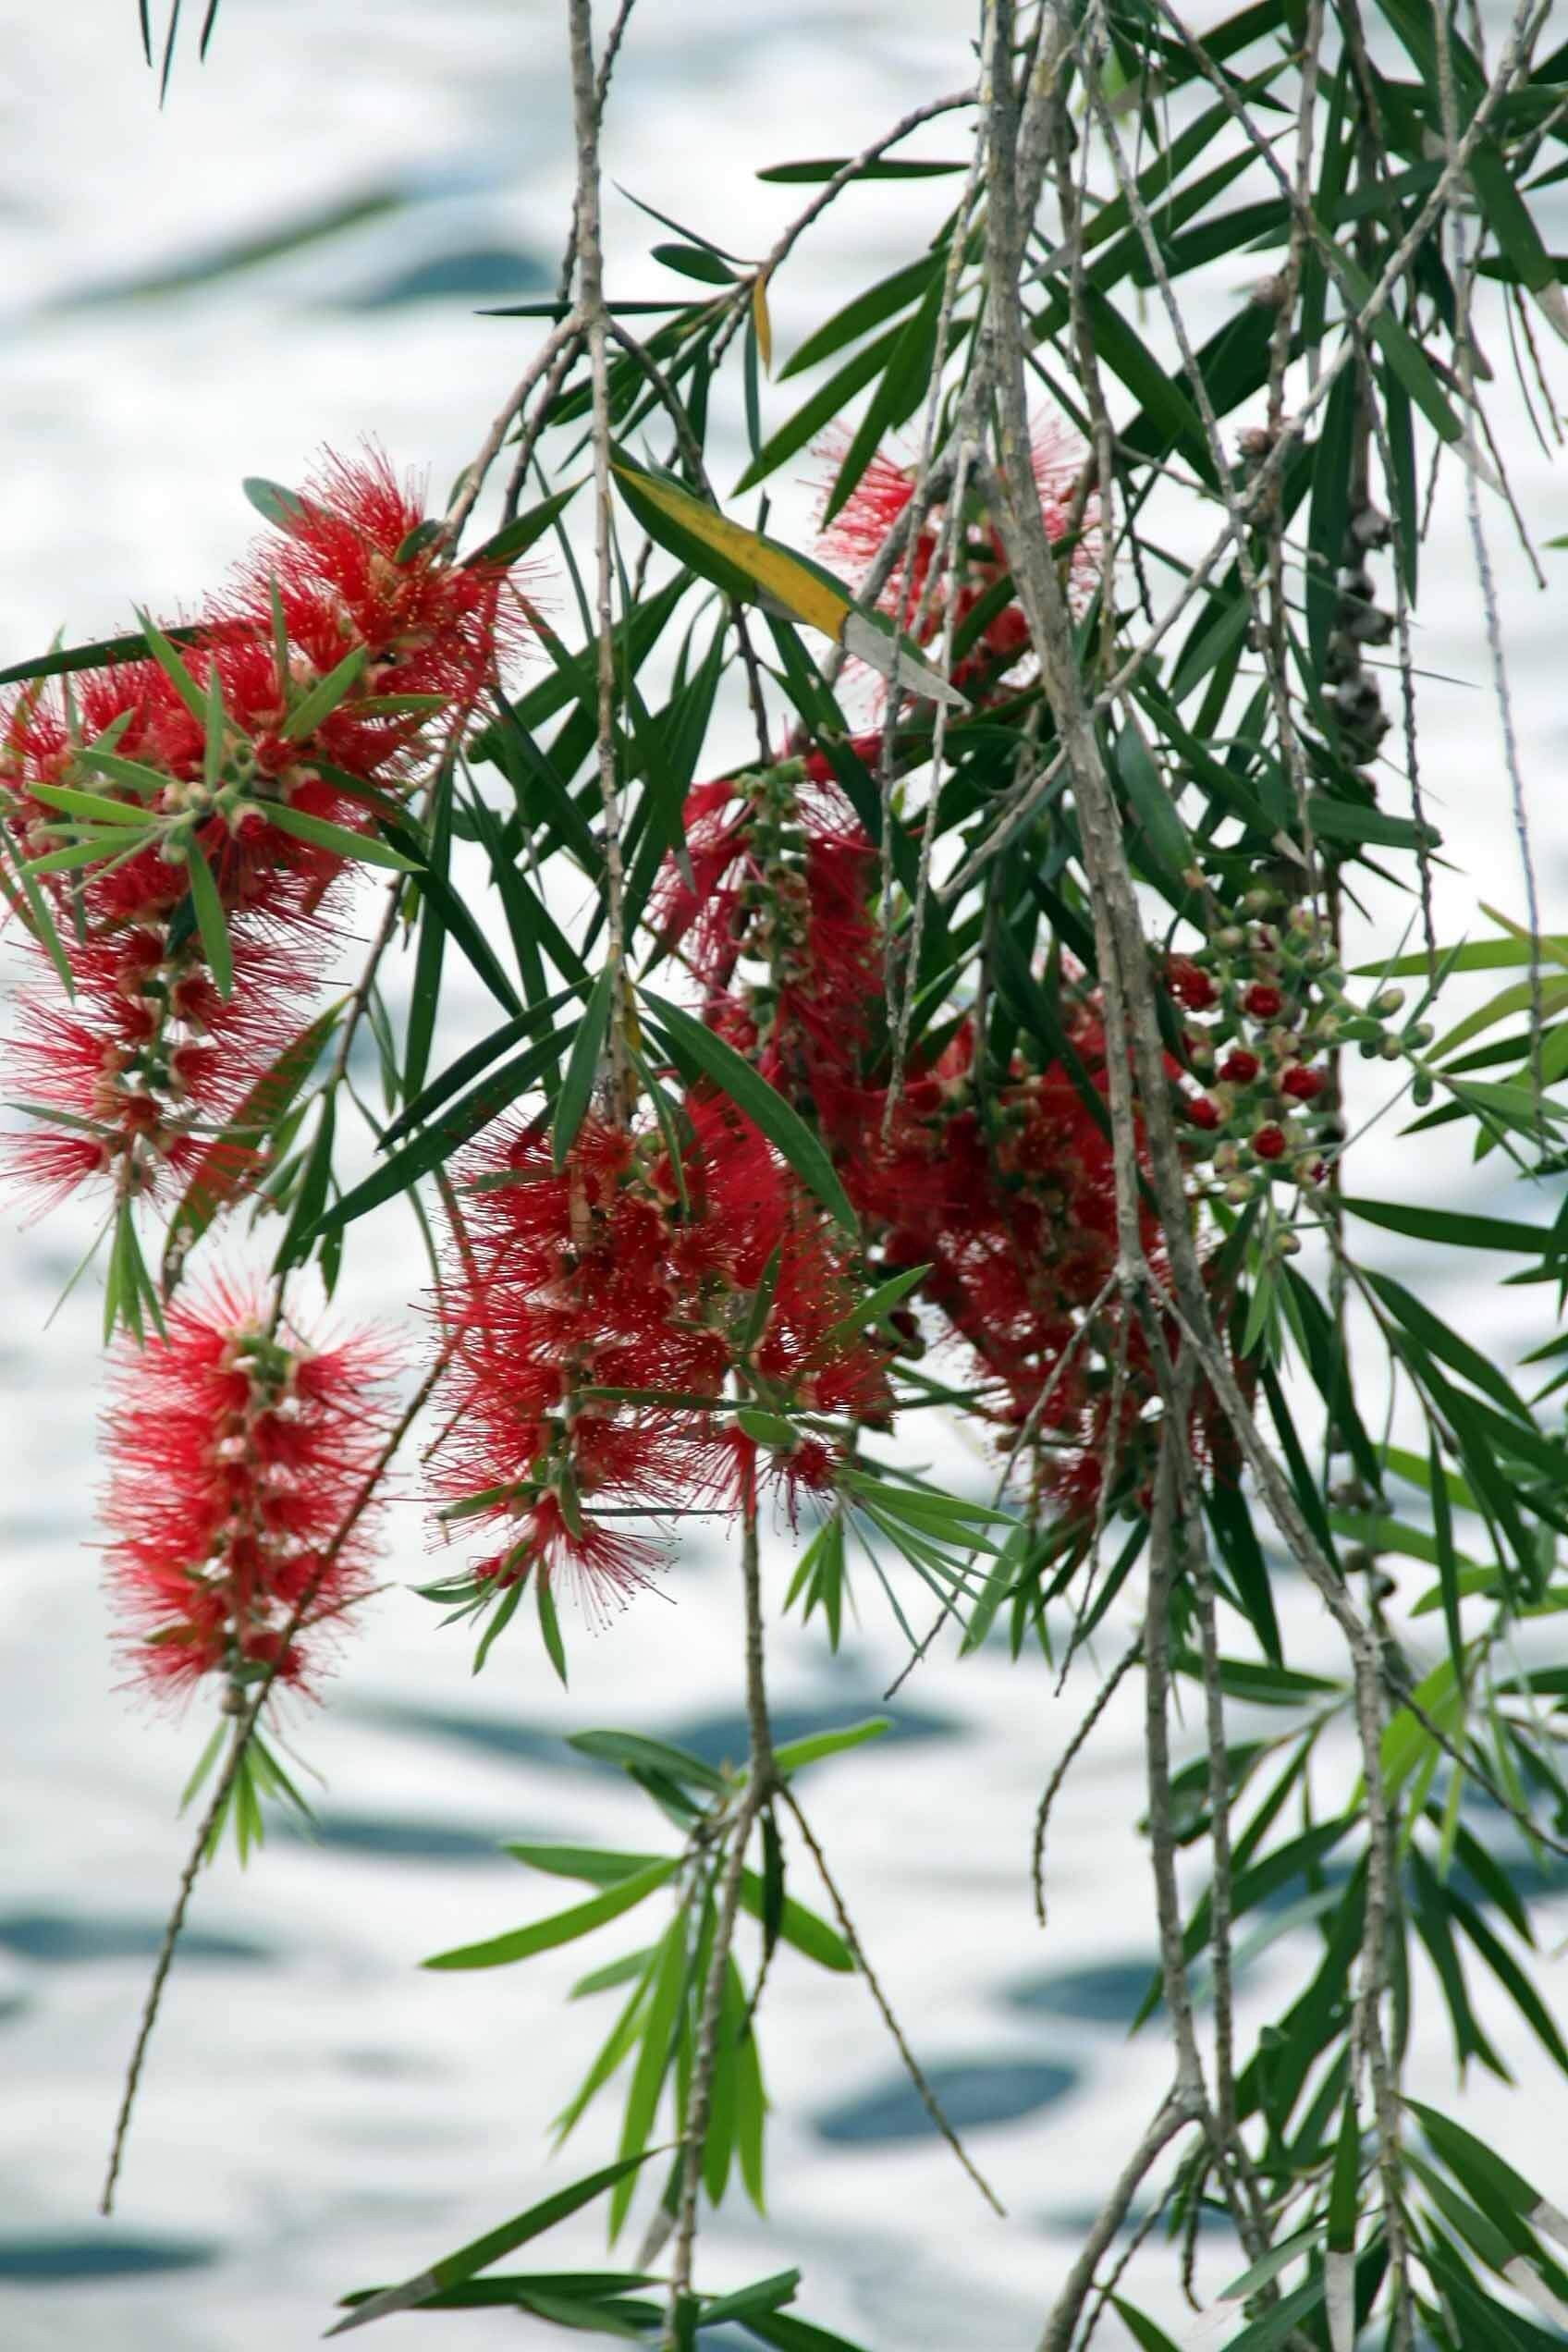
[151, 1057]
[852, 541]
[149, 1062]
[1264, 1002]
[1202, 1111]
[1270, 1143]
[594, 1311]
[1301, 1084]
[351, 574]
[1190, 985]
[238, 1458]
[1239, 1068]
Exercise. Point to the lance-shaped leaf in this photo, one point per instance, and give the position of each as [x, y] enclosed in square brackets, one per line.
[583, 1068]
[516, 538]
[211, 922]
[64, 659]
[563, 1927]
[227, 1167]
[282, 508]
[324, 835]
[322, 699]
[759, 571]
[762, 1104]
[478, 2255]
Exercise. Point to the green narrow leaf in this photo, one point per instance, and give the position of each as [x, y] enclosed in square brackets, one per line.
[283, 509]
[583, 1067]
[363, 847]
[800, 1926]
[227, 1167]
[825, 406]
[550, 1625]
[425, 995]
[1345, 2181]
[761, 1103]
[324, 697]
[1163, 830]
[478, 2255]
[904, 381]
[61, 662]
[796, 1754]
[314, 1186]
[167, 657]
[442, 1139]
[653, 2060]
[694, 261]
[632, 1752]
[1144, 2334]
[516, 538]
[772, 1884]
[211, 920]
[871, 1308]
[563, 1927]
[97, 808]
[32, 912]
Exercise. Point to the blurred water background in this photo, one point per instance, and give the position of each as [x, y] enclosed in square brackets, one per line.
[318, 2114]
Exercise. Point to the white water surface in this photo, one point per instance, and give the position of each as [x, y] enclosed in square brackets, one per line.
[318, 2114]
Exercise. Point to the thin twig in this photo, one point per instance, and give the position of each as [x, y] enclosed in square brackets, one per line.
[596, 321]
[761, 1784]
[1177, 2112]
[928, 2099]
[1103, 1697]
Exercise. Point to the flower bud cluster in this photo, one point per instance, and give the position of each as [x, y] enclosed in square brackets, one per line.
[1360, 623]
[1268, 993]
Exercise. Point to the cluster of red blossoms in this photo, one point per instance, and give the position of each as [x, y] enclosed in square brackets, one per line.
[1269, 1000]
[1005, 1194]
[240, 1460]
[989, 625]
[600, 1312]
[346, 645]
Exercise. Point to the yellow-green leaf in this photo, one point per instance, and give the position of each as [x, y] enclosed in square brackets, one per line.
[775, 575]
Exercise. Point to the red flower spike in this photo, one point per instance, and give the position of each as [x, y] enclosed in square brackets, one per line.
[236, 1460]
[151, 1056]
[572, 1286]
[853, 540]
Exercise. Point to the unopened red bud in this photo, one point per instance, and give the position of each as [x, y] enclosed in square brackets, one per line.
[1268, 1143]
[1301, 1085]
[1189, 985]
[1202, 1112]
[1263, 1002]
[1239, 1067]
